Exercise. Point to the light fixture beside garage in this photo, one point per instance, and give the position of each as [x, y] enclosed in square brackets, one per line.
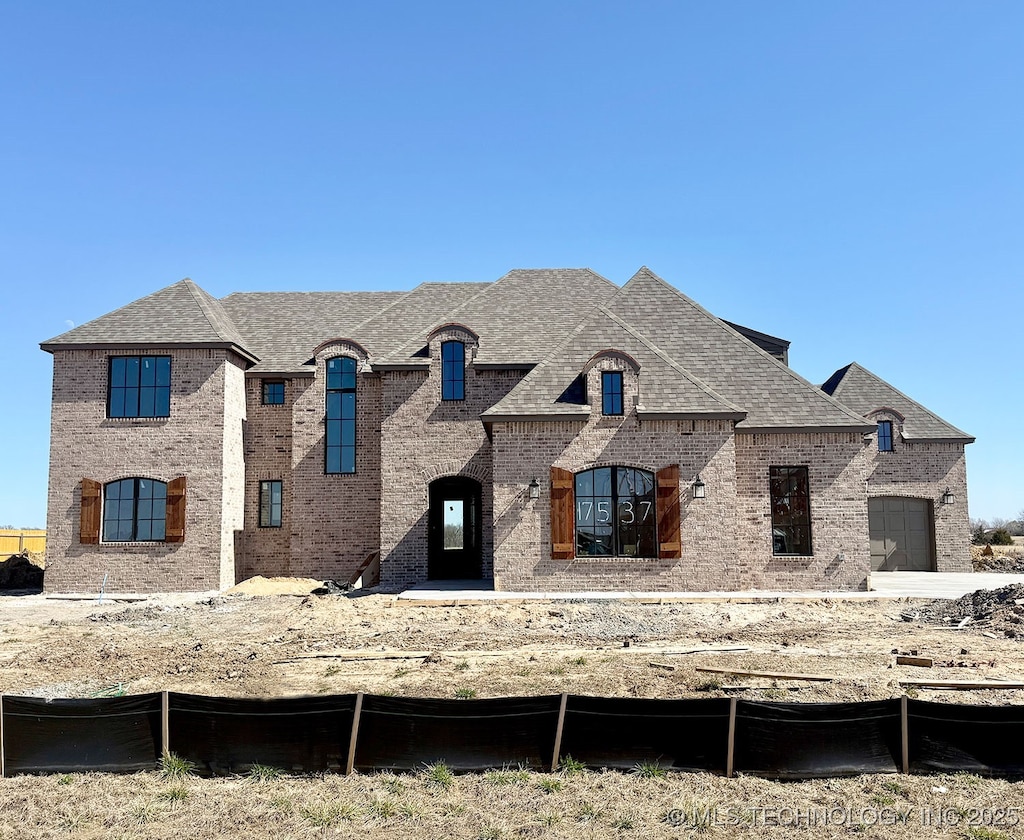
[699, 491]
[948, 498]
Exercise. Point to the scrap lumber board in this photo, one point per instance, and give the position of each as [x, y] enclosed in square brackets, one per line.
[774, 675]
[963, 684]
[918, 661]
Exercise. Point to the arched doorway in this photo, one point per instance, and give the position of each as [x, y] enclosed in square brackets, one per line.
[454, 543]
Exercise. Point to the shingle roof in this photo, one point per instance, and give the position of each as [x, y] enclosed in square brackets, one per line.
[521, 316]
[772, 395]
[665, 387]
[864, 392]
[181, 313]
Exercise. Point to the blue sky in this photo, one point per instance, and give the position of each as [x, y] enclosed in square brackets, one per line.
[847, 175]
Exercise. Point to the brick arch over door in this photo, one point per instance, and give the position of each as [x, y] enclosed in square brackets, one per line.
[456, 468]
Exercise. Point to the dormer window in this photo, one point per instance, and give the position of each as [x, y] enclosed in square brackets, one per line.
[453, 370]
[885, 436]
[611, 393]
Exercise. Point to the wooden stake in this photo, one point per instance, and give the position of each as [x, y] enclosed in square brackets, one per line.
[731, 749]
[905, 736]
[556, 753]
[350, 762]
[3, 766]
[165, 721]
[774, 675]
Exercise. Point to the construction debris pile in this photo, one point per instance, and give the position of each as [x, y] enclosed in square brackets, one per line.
[996, 611]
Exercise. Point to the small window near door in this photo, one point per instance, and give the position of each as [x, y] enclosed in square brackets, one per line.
[270, 504]
[454, 528]
[885, 435]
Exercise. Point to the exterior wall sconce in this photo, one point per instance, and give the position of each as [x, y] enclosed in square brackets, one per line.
[534, 486]
[699, 490]
[948, 498]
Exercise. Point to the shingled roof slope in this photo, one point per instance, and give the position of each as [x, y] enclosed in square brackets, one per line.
[665, 388]
[181, 313]
[773, 396]
[285, 327]
[864, 392]
[521, 316]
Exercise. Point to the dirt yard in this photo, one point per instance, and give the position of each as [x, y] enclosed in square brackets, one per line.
[281, 645]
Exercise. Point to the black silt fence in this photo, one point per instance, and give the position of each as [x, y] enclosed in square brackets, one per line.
[986, 740]
[404, 733]
[110, 735]
[228, 735]
[624, 732]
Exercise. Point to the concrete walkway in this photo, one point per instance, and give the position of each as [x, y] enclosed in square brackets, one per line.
[949, 585]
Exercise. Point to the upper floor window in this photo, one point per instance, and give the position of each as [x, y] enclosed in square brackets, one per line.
[885, 436]
[134, 510]
[273, 392]
[611, 392]
[615, 513]
[270, 504]
[139, 386]
[789, 488]
[453, 370]
[340, 437]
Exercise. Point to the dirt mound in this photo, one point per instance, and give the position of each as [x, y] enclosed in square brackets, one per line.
[21, 571]
[260, 585]
[997, 558]
[998, 610]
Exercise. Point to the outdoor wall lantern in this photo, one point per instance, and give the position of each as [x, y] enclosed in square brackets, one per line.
[948, 498]
[699, 491]
[534, 489]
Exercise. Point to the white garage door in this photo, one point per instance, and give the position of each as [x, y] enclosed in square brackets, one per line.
[901, 534]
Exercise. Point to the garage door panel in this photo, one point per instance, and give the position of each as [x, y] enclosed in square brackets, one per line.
[900, 532]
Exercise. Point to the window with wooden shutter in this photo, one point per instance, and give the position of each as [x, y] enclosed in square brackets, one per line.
[669, 545]
[175, 510]
[562, 520]
[90, 514]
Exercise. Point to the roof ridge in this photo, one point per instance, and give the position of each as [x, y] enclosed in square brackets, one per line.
[768, 356]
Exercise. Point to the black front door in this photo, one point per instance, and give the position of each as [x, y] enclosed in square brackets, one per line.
[454, 522]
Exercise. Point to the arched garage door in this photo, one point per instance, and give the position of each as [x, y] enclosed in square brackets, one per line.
[901, 534]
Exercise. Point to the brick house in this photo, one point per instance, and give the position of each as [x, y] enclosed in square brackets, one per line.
[547, 431]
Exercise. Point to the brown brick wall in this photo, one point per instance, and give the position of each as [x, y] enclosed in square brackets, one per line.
[201, 440]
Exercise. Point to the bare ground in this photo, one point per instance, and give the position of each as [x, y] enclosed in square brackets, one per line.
[243, 645]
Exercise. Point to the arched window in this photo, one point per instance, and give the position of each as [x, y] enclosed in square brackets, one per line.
[340, 438]
[615, 513]
[134, 510]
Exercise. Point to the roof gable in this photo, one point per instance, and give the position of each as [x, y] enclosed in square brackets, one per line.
[181, 313]
[864, 392]
[772, 395]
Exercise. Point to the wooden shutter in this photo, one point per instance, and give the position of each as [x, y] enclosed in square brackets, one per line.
[90, 521]
[175, 525]
[563, 522]
[669, 545]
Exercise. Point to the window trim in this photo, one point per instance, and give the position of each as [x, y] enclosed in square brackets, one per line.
[264, 384]
[266, 504]
[453, 372]
[802, 474]
[328, 419]
[138, 388]
[136, 499]
[887, 437]
[612, 402]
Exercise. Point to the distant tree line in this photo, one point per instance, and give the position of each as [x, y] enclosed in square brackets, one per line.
[997, 531]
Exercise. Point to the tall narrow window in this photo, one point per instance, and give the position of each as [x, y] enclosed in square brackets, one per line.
[791, 510]
[453, 370]
[270, 504]
[611, 392]
[340, 435]
[885, 435]
[134, 510]
[139, 386]
[615, 513]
